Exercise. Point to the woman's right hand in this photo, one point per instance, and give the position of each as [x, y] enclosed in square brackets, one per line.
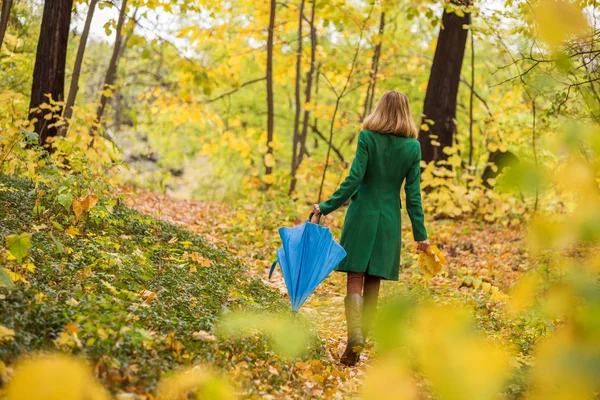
[423, 245]
[316, 210]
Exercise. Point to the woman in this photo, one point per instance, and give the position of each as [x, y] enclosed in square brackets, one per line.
[387, 155]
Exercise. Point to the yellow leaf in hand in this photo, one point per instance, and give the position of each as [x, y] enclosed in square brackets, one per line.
[432, 261]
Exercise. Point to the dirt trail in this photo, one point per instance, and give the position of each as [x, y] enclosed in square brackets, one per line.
[324, 308]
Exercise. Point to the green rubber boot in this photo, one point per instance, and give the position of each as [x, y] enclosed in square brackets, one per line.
[369, 314]
[356, 341]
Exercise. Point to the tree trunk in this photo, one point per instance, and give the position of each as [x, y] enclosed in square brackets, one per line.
[74, 87]
[299, 106]
[374, 69]
[270, 107]
[316, 120]
[6, 6]
[440, 98]
[111, 72]
[50, 59]
[309, 82]
[472, 94]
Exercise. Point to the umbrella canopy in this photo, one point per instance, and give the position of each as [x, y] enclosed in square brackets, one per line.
[307, 256]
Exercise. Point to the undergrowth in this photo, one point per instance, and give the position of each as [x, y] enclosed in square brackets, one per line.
[135, 296]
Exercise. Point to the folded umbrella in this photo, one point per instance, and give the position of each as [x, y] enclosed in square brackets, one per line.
[307, 256]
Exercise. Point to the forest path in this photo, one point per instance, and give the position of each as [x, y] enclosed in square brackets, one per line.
[485, 260]
[215, 222]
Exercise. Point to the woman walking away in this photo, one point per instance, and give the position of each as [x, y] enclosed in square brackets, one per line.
[387, 155]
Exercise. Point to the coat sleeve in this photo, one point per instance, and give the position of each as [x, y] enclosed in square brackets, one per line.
[413, 198]
[350, 185]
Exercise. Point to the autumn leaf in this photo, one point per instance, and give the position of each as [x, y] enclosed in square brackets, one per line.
[29, 266]
[18, 245]
[6, 334]
[268, 179]
[72, 231]
[269, 160]
[203, 335]
[5, 279]
[72, 328]
[85, 204]
[148, 296]
[199, 258]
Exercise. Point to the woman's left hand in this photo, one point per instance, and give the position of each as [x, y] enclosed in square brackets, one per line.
[423, 245]
[316, 210]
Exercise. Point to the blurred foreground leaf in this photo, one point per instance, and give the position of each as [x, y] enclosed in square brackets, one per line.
[200, 382]
[288, 335]
[54, 377]
[559, 21]
[458, 361]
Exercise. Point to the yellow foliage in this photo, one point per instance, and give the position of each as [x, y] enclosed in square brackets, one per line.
[54, 377]
[432, 261]
[559, 21]
[523, 294]
[198, 380]
[390, 379]
[459, 362]
[555, 379]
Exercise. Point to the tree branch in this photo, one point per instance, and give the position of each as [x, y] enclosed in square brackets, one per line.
[234, 90]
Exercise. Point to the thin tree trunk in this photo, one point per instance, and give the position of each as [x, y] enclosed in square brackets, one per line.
[50, 60]
[316, 120]
[270, 107]
[471, 100]
[308, 92]
[442, 90]
[6, 6]
[535, 158]
[111, 72]
[299, 106]
[339, 97]
[368, 106]
[79, 61]
[309, 82]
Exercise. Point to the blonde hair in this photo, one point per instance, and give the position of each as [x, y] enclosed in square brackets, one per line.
[392, 115]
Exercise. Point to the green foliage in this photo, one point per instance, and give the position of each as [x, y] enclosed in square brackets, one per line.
[119, 290]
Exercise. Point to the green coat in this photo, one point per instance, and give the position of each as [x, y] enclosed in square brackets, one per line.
[371, 234]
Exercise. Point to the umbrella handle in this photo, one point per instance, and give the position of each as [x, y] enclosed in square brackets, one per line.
[312, 214]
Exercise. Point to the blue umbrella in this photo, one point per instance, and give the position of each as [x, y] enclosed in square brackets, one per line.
[307, 256]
